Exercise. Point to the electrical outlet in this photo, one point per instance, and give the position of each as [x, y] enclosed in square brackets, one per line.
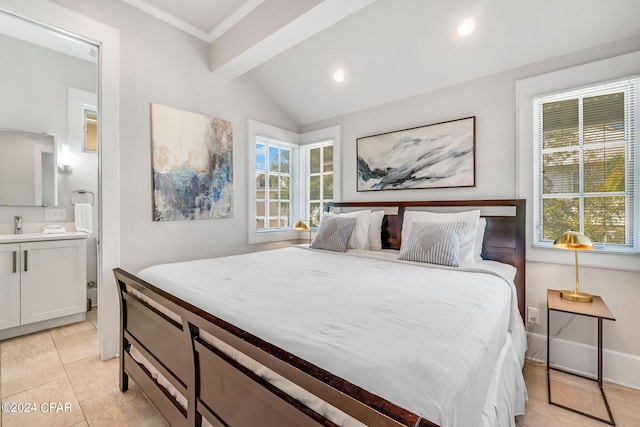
[55, 214]
[533, 315]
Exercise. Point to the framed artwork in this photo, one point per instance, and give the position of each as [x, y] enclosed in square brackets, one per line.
[439, 155]
[192, 162]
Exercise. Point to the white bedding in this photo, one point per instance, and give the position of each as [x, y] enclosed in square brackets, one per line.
[427, 339]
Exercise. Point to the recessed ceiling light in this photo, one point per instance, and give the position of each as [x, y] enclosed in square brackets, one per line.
[338, 76]
[466, 27]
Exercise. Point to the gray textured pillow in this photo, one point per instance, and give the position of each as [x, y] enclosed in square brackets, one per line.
[334, 233]
[434, 243]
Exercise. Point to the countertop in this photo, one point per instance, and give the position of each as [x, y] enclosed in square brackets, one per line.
[41, 237]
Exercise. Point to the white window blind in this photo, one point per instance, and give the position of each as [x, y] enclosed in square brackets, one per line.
[586, 165]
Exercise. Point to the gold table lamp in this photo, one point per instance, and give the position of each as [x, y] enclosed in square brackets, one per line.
[575, 241]
[302, 226]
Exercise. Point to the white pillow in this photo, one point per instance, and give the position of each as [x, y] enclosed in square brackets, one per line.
[360, 237]
[470, 218]
[477, 251]
[375, 230]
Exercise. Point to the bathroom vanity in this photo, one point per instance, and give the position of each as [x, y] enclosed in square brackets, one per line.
[42, 281]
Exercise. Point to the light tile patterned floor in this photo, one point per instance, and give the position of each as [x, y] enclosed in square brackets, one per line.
[577, 393]
[61, 366]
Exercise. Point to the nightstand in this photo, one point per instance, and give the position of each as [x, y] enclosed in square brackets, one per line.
[597, 309]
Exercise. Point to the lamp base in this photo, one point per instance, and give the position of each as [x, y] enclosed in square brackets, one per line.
[572, 295]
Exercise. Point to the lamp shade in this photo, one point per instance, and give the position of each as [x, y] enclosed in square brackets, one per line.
[573, 240]
[300, 225]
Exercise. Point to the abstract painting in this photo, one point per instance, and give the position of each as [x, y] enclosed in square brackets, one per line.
[192, 160]
[432, 156]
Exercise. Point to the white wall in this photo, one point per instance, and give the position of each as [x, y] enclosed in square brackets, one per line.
[492, 100]
[161, 64]
[34, 82]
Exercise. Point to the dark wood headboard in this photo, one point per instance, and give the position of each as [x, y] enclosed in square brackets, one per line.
[504, 236]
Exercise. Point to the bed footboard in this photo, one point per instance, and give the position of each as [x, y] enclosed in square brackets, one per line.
[190, 350]
[231, 389]
[160, 340]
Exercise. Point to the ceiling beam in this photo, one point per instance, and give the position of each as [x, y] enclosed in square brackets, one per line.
[272, 28]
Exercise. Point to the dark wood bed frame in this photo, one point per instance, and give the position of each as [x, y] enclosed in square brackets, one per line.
[225, 392]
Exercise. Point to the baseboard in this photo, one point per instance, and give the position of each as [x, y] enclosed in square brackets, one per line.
[618, 368]
[41, 326]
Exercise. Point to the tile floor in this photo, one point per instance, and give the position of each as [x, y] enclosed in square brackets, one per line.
[577, 393]
[61, 366]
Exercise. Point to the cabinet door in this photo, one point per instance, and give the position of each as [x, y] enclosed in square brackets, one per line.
[9, 285]
[53, 279]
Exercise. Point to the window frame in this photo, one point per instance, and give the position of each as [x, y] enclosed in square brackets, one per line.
[582, 76]
[305, 157]
[297, 191]
[581, 148]
[90, 140]
[293, 166]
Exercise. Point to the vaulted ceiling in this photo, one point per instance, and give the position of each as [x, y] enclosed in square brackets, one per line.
[387, 49]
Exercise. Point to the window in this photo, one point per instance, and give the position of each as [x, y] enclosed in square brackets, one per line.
[586, 148]
[319, 179]
[291, 177]
[90, 131]
[273, 184]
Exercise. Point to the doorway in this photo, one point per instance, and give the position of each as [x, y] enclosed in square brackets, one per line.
[54, 17]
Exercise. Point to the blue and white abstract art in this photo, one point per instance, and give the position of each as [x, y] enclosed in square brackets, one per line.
[433, 156]
[192, 157]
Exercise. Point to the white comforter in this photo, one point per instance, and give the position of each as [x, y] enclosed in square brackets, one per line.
[426, 339]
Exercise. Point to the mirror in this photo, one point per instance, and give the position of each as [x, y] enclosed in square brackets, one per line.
[27, 169]
[42, 71]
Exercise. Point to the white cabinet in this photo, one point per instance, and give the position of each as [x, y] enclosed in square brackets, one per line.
[53, 280]
[40, 281]
[9, 285]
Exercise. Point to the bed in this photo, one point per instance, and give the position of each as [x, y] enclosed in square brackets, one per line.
[210, 342]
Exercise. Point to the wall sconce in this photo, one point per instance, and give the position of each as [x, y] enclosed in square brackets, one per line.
[64, 161]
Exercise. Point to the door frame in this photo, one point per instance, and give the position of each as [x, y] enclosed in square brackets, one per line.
[107, 39]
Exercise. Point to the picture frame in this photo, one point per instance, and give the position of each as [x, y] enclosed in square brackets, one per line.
[438, 155]
[192, 165]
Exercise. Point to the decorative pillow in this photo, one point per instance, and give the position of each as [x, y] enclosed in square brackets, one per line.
[360, 237]
[333, 233]
[470, 218]
[434, 243]
[477, 251]
[375, 230]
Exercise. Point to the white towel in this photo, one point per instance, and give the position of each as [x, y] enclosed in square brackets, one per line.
[82, 214]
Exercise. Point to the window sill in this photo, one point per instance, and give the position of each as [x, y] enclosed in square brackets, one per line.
[274, 236]
[597, 249]
[592, 258]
